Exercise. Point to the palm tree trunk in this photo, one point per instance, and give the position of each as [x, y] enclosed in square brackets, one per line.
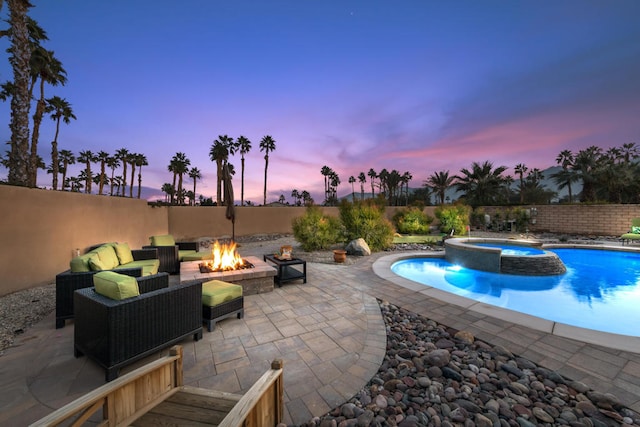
[266, 166]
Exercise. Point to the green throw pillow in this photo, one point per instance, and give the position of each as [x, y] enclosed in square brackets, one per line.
[164, 240]
[115, 285]
[108, 256]
[635, 230]
[123, 251]
[81, 263]
[96, 265]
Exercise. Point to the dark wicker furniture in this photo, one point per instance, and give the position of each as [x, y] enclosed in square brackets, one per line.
[117, 333]
[169, 255]
[211, 315]
[68, 282]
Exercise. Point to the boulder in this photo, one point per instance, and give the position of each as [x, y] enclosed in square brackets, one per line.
[358, 247]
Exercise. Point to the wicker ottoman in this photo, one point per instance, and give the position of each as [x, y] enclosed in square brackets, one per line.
[219, 301]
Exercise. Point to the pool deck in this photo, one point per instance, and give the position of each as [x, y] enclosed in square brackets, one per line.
[330, 334]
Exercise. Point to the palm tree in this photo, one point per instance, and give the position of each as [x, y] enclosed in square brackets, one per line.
[334, 181]
[629, 151]
[112, 163]
[482, 184]
[20, 100]
[267, 144]
[352, 180]
[245, 146]
[306, 198]
[47, 69]
[566, 176]
[102, 157]
[87, 157]
[168, 190]
[59, 109]
[123, 156]
[405, 179]
[372, 175]
[362, 178]
[181, 166]
[520, 169]
[141, 160]
[326, 171]
[586, 164]
[295, 195]
[195, 175]
[219, 153]
[66, 158]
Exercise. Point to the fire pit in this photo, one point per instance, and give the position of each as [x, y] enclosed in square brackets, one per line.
[254, 275]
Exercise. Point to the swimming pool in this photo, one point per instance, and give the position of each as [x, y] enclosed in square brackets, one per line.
[599, 291]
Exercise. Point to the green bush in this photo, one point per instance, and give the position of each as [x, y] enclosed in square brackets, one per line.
[366, 219]
[315, 230]
[412, 221]
[453, 217]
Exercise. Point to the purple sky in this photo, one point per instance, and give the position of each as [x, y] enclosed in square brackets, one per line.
[415, 86]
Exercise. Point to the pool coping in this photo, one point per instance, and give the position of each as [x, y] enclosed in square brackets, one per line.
[382, 268]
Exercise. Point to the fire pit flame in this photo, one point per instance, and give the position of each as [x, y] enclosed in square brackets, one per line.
[225, 258]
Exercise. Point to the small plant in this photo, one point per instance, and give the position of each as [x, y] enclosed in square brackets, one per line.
[412, 221]
[315, 230]
[453, 218]
[365, 219]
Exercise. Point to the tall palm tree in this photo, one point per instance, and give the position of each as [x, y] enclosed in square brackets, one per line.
[245, 147]
[219, 153]
[141, 160]
[482, 184]
[195, 175]
[168, 190]
[521, 169]
[326, 171]
[295, 195]
[586, 164]
[352, 180]
[406, 179]
[440, 182]
[66, 158]
[566, 176]
[181, 167]
[267, 144]
[112, 163]
[362, 178]
[123, 156]
[45, 68]
[59, 109]
[372, 175]
[20, 51]
[102, 157]
[87, 157]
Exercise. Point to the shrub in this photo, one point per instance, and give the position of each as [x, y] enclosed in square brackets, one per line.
[412, 221]
[315, 230]
[453, 217]
[366, 219]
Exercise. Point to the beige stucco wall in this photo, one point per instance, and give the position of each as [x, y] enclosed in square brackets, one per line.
[39, 229]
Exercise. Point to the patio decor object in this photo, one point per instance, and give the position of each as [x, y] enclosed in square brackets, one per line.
[155, 394]
[69, 281]
[633, 234]
[219, 301]
[115, 333]
[170, 252]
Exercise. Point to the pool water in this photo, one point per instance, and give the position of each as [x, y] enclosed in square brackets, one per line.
[600, 290]
[512, 249]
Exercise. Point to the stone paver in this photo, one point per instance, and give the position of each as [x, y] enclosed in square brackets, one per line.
[329, 332]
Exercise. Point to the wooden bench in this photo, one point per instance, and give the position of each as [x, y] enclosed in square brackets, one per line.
[154, 394]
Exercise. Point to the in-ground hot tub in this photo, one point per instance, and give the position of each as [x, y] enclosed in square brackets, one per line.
[522, 257]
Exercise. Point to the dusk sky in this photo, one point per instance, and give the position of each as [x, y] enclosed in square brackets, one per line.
[417, 86]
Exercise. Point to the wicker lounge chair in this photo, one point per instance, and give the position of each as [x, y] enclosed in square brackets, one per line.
[633, 234]
[116, 333]
[68, 282]
[171, 252]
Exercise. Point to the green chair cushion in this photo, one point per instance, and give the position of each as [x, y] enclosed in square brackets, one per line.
[81, 263]
[163, 240]
[149, 266]
[631, 236]
[123, 252]
[115, 285]
[108, 256]
[216, 292]
[195, 256]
